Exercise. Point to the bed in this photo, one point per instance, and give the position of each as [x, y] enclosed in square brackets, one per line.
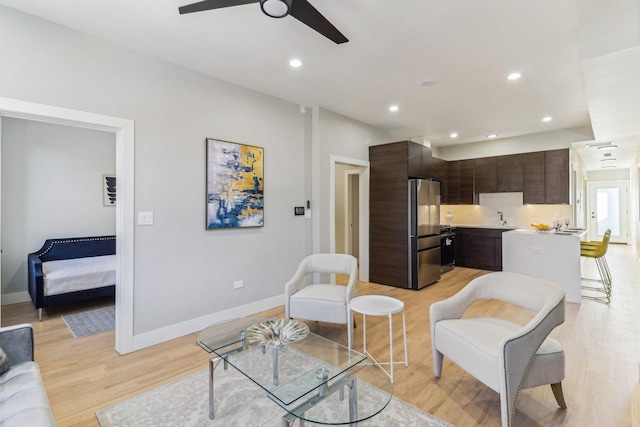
[71, 270]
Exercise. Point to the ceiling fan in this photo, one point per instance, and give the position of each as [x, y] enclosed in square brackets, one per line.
[302, 10]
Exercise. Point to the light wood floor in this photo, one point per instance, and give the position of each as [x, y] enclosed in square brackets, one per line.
[602, 344]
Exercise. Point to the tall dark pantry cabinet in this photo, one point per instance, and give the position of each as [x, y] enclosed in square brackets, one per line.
[391, 166]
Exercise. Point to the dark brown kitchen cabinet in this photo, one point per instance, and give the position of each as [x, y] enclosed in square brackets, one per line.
[439, 173]
[460, 182]
[546, 177]
[533, 178]
[556, 176]
[510, 173]
[485, 171]
[414, 160]
[391, 166]
[479, 248]
[466, 182]
[418, 160]
[453, 182]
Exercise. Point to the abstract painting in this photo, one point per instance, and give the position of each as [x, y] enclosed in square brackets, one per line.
[109, 190]
[235, 185]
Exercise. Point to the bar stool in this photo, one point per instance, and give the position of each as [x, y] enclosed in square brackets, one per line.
[597, 251]
[378, 305]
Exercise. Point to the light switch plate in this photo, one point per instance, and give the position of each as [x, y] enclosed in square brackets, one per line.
[145, 218]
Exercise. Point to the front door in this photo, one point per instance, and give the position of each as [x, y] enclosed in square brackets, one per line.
[608, 210]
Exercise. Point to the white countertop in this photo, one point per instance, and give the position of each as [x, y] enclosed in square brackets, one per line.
[491, 226]
[570, 232]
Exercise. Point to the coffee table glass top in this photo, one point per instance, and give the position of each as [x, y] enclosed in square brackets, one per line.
[300, 369]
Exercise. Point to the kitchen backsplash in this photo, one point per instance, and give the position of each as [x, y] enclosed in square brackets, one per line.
[516, 216]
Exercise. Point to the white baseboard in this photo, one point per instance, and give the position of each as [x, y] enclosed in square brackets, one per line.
[161, 335]
[15, 298]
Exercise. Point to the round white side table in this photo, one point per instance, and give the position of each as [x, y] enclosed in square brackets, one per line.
[378, 305]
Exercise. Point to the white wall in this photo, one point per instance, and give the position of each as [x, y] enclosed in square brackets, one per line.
[345, 137]
[521, 144]
[578, 193]
[182, 271]
[634, 199]
[51, 187]
[608, 175]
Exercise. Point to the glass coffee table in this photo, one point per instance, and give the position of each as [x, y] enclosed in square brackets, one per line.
[312, 378]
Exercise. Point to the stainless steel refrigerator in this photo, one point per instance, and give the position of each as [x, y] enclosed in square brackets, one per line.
[424, 233]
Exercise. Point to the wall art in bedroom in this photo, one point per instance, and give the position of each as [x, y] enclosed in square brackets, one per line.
[235, 185]
[109, 190]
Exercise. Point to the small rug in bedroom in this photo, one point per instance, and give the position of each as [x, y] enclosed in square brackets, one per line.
[238, 402]
[91, 322]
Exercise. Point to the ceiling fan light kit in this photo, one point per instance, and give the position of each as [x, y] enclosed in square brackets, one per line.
[275, 8]
[302, 10]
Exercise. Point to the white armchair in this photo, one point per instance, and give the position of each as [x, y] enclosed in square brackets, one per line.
[505, 356]
[321, 302]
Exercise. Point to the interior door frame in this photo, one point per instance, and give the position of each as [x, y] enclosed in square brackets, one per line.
[624, 207]
[363, 193]
[125, 140]
[348, 212]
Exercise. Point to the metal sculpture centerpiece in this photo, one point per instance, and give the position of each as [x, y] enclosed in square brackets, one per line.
[276, 332]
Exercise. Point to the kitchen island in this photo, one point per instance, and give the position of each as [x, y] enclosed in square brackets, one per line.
[552, 256]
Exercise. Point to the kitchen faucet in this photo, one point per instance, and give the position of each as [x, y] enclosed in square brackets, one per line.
[501, 221]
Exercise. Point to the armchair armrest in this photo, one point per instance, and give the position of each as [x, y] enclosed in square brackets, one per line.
[296, 282]
[453, 307]
[17, 342]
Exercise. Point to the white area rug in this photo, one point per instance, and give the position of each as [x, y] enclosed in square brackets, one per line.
[238, 402]
[91, 322]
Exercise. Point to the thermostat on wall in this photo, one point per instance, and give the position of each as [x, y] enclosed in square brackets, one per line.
[298, 210]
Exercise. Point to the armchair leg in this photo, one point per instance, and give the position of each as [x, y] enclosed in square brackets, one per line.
[557, 392]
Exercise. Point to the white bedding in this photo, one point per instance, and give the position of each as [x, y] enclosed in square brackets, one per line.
[70, 275]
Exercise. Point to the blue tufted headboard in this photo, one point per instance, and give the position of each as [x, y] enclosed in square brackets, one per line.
[76, 247]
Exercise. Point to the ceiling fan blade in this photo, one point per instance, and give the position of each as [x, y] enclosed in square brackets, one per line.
[304, 12]
[212, 4]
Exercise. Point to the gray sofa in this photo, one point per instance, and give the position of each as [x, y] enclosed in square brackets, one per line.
[23, 399]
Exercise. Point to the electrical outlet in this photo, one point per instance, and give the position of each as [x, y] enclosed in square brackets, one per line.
[538, 250]
[238, 284]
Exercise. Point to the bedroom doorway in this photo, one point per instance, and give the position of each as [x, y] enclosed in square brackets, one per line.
[353, 175]
[124, 135]
[51, 188]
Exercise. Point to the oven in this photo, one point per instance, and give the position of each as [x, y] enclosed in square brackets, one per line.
[447, 248]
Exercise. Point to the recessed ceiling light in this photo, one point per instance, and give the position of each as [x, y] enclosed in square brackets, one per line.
[547, 119]
[608, 160]
[608, 167]
[394, 108]
[454, 135]
[492, 135]
[514, 76]
[607, 147]
[295, 63]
